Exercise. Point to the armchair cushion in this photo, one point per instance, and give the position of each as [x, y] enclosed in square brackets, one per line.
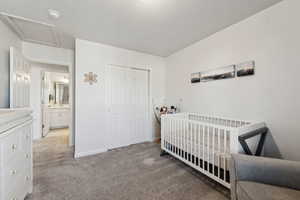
[248, 190]
[277, 172]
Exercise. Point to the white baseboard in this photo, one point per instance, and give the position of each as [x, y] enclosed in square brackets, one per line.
[89, 153]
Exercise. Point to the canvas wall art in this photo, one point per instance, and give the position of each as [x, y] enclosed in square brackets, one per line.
[245, 69]
[218, 74]
[195, 77]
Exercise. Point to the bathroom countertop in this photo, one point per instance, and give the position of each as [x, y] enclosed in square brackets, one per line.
[59, 107]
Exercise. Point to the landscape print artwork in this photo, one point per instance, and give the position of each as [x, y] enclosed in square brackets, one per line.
[218, 74]
[195, 77]
[245, 69]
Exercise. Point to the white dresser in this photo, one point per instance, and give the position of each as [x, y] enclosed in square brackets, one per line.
[15, 154]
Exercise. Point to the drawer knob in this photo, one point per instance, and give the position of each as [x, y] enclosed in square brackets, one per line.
[14, 147]
[27, 178]
[27, 156]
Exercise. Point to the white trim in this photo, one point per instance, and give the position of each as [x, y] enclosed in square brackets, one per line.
[11, 77]
[71, 71]
[90, 153]
[45, 61]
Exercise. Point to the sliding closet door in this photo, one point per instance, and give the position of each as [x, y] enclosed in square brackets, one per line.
[140, 106]
[128, 106]
[119, 130]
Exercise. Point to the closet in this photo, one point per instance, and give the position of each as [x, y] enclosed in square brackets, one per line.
[128, 106]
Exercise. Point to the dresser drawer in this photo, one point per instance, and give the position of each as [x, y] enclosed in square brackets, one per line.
[18, 179]
[26, 139]
[16, 194]
[27, 179]
[12, 173]
[12, 146]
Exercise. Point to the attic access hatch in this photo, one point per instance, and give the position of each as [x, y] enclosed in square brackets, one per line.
[32, 31]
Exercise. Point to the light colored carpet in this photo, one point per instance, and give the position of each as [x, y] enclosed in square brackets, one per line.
[136, 172]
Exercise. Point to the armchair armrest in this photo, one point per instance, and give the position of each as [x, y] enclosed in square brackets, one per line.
[270, 171]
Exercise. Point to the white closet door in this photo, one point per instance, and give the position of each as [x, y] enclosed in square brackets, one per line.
[128, 116]
[140, 98]
[19, 80]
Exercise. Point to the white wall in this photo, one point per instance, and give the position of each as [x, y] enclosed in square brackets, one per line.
[7, 39]
[272, 39]
[90, 99]
[35, 100]
[56, 56]
[47, 54]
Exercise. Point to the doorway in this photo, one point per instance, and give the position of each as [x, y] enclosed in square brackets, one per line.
[50, 99]
[55, 104]
[128, 106]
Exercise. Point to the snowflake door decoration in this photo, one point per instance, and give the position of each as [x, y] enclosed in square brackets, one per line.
[90, 78]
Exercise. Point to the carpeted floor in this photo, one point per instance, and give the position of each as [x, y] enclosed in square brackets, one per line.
[136, 172]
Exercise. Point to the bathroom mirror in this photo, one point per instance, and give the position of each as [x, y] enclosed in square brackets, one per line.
[61, 93]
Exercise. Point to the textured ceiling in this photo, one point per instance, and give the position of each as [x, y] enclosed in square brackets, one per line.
[158, 27]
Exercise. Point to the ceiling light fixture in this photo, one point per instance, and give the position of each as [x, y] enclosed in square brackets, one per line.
[54, 14]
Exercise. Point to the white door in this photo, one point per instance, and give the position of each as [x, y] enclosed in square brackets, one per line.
[45, 120]
[44, 104]
[19, 80]
[128, 114]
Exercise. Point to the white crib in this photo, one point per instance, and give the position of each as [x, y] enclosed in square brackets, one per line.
[205, 143]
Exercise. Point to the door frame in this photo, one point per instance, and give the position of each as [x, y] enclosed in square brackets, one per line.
[71, 71]
[150, 131]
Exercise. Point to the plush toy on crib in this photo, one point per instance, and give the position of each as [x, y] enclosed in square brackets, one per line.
[159, 111]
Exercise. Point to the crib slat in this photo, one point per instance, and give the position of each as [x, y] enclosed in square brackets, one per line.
[187, 139]
[180, 138]
[225, 150]
[203, 142]
[176, 135]
[184, 139]
[213, 151]
[171, 134]
[198, 143]
[191, 141]
[194, 143]
[208, 156]
[219, 153]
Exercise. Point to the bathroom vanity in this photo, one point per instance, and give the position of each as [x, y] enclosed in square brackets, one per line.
[15, 154]
[59, 117]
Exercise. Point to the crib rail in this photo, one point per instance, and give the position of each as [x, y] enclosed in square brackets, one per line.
[202, 146]
[218, 120]
[204, 142]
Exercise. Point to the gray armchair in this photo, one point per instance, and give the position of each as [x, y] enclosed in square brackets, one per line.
[258, 178]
